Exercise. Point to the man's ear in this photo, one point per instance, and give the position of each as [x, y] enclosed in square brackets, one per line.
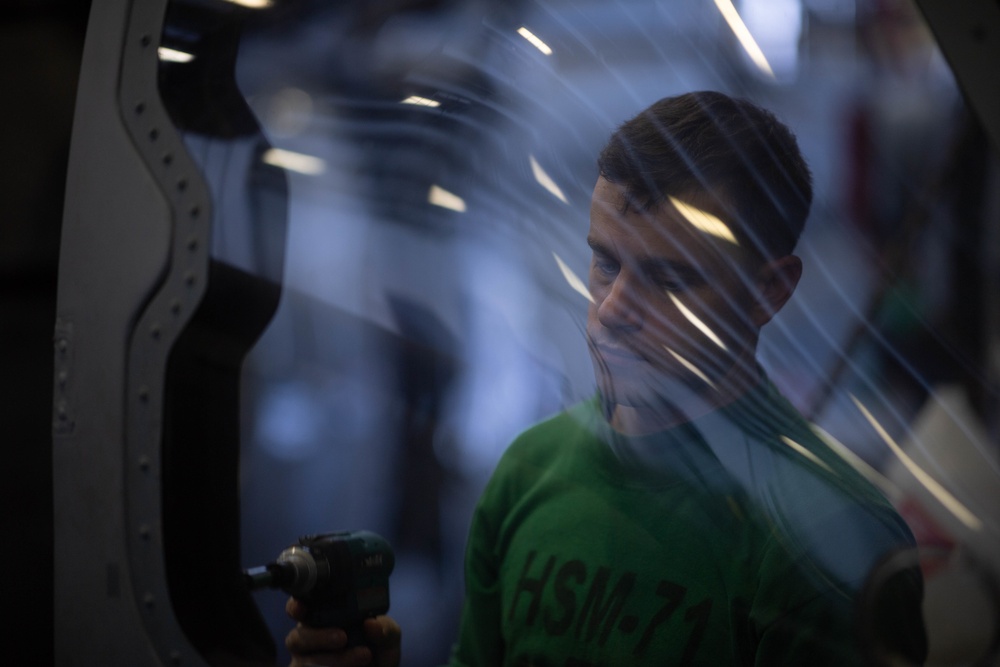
[776, 281]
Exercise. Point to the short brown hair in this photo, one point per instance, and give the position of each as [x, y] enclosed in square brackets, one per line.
[729, 148]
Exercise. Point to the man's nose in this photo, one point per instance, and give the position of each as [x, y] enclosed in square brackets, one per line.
[620, 308]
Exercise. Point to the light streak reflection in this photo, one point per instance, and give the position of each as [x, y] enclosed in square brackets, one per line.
[573, 279]
[704, 221]
[693, 319]
[743, 35]
[950, 502]
[304, 164]
[537, 43]
[545, 180]
[843, 451]
[252, 4]
[441, 197]
[166, 54]
[690, 366]
[421, 101]
[805, 452]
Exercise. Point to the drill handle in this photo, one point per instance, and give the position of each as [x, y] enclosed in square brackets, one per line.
[324, 616]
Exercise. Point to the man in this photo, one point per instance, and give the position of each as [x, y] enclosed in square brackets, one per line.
[687, 514]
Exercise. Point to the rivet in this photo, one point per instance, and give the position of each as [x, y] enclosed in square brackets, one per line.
[168, 158]
[144, 531]
[140, 107]
[148, 600]
[154, 330]
[62, 377]
[143, 393]
[144, 40]
[154, 134]
[190, 278]
[195, 211]
[193, 243]
[62, 408]
[175, 306]
[63, 345]
[144, 463]
[182, 185]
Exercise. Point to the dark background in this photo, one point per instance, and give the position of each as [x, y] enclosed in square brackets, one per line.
[41, 44]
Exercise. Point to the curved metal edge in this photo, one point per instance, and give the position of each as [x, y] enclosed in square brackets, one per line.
[163, 317]
[133, 264]
[114, 251]
[182, 555]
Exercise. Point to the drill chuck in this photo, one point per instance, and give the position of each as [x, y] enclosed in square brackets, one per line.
[295, 571]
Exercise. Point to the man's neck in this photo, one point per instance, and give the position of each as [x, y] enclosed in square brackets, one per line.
[658, 416]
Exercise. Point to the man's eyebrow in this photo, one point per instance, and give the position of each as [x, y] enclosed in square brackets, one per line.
[656, 265]
[682, 270]
[597, 246]
[669, 265]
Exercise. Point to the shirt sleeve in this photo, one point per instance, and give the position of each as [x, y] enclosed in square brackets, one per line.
[802, 615]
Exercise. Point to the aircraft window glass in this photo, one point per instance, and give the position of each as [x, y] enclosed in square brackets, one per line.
[440, 159]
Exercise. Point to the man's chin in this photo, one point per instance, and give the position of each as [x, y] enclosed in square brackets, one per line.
[646, 392]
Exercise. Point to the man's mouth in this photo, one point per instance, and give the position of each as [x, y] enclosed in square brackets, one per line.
[618, 353]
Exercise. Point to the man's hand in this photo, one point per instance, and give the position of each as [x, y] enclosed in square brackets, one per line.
[326, 646]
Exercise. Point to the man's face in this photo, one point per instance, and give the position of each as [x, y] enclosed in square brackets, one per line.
[671, 302]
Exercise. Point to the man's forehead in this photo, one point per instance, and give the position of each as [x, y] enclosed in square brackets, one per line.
[685, 220]
[610, 197]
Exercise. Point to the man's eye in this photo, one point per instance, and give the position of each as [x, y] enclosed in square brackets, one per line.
[672, 282]
[606, 266]
[668, 283]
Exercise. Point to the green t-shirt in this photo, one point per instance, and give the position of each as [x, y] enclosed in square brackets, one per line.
[714, 543]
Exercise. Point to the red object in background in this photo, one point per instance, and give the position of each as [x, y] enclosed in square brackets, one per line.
[934, 542]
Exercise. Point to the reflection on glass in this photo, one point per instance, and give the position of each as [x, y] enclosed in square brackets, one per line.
[871, 474]
[534, 41]
[303, 164]
[252, 4]
[413, 345]
[690, 367]
[695, 320]
[704, 221]
[960, 511]
[422, 101]
[805, 452]
[441, 197]
[776, 27]
[173, 55]
[572, 279]
[545, 180]
[743, 35]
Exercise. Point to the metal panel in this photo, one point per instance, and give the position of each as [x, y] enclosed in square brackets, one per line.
[114, 251]
[968, 34]
[134, 270]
